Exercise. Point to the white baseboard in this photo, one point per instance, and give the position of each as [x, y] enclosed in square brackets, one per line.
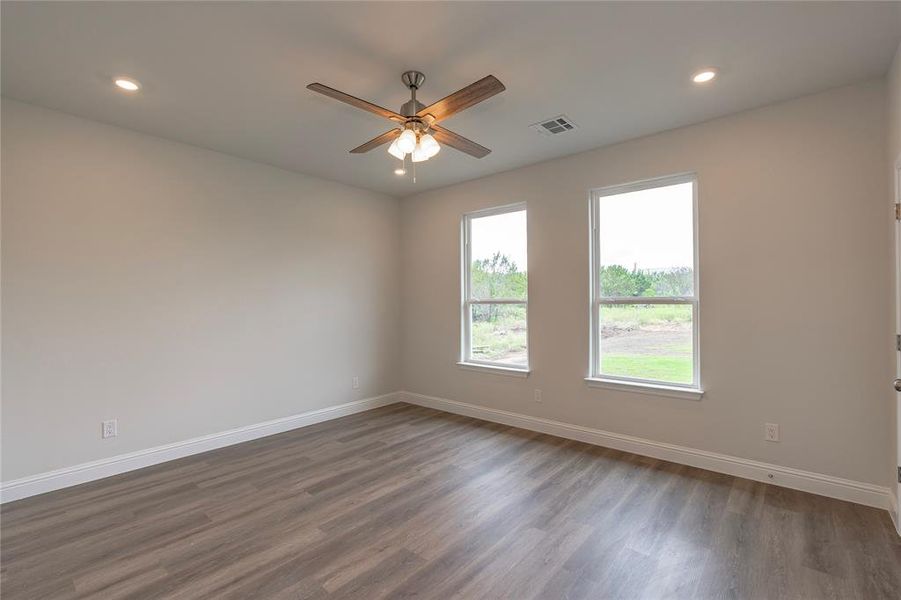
[106, 467]
[806, 481]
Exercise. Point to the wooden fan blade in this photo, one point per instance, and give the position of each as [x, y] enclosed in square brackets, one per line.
[458, 142]
[354, 101]
[376, 142]
[471, 95]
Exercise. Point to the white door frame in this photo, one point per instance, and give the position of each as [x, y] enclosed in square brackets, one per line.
[897, 177]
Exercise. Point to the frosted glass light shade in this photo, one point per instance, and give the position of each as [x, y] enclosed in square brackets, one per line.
[429, 145]
[394, 151]
[419, 154]
[407, 141]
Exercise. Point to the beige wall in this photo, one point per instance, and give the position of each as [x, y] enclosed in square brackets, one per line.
[795, 302]
[181, 291]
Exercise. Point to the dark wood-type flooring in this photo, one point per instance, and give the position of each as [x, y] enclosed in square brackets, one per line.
[404, 502]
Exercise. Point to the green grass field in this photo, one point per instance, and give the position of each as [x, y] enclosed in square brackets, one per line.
[664, 368]
[650, 341]
[633, 350]
[502, 337]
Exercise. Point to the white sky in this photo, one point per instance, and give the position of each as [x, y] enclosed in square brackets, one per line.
[650, 228]
[504, 233]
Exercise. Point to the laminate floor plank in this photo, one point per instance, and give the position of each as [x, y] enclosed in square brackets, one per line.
[407, 502]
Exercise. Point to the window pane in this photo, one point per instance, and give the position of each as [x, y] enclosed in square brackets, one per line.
[499, 259]
[499, 333]
[647, 341]
[646, 242]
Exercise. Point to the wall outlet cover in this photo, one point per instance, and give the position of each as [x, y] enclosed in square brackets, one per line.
[771, 432]
[109, 429]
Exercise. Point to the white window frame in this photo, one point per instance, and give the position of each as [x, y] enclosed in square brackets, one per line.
[650, 386]
[466, 359]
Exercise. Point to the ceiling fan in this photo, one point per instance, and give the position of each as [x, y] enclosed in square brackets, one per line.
[417, 131]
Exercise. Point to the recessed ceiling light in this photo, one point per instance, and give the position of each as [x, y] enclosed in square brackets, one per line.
[400, 171]
[704, 75]
[127, 84]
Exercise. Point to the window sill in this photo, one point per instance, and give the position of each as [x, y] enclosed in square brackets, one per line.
[494, 369]
[645, 388]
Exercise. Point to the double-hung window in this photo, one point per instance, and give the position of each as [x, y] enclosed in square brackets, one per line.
[644, 284]
[495, 289]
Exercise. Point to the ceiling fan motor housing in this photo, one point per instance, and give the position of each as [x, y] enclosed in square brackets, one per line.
[411, 107]
[413, 80]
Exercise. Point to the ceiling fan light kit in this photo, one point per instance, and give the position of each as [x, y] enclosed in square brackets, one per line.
[417, 132]
[407, 141]
[396, 152]
[429, 145]
[419, 155]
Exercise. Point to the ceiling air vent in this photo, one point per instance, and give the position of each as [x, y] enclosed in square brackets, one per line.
[559, 124]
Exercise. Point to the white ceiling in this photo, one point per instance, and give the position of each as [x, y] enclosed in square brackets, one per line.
[231, 76]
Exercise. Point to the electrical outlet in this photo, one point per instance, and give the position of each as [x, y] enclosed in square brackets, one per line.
[537, 395]
[356, 382]
[771, 432]
[109, 429]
